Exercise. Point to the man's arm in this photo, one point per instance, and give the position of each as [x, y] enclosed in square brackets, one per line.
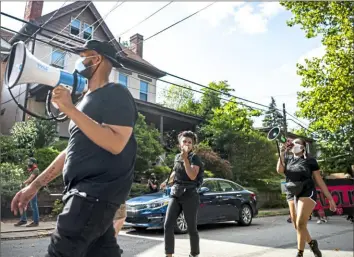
[112, 138]
[50, 173]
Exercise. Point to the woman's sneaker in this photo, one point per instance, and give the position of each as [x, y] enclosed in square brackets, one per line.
[314, 248]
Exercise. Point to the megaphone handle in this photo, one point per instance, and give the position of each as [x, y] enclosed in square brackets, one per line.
[279, 154]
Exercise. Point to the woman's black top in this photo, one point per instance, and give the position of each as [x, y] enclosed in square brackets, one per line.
[299, 168]
[181, 175]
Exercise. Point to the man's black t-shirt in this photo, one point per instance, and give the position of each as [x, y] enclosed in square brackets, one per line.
[90, 168]
[180, 171]
[299, 168]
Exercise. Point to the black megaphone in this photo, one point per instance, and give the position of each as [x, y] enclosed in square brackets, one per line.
[277, 134]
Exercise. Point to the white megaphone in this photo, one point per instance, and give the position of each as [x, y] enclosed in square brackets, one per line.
[23, 67]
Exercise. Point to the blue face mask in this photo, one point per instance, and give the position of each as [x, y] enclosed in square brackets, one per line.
[85, 71]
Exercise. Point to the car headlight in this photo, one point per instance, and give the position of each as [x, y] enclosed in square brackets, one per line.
[158, 204]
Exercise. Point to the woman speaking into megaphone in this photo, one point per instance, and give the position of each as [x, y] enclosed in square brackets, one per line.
[98, 163]
[302, 172]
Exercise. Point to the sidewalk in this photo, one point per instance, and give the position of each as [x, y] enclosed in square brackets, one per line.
[9, 231]
[45, 228]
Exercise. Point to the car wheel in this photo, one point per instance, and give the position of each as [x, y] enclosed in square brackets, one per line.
[245, 215]
[181, 225]
[140, 229]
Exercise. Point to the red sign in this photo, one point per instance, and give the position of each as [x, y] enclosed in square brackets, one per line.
[342, 191]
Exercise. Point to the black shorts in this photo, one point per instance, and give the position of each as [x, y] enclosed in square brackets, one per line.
[310, 193]
[84, 229]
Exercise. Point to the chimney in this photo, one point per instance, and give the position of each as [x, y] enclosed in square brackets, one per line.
[136, 44]
[33, 10]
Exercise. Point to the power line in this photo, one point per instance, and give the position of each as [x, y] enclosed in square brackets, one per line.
[40, 40]
[100, 20]
[77, 16]
[215, 90]
[35, 33]
[42, 28]
[126, 31]
[174, 24]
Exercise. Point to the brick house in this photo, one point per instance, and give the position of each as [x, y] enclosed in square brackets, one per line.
[82, 21]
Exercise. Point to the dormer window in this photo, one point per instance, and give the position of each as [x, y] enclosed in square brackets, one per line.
[88, 31]
[75, 27]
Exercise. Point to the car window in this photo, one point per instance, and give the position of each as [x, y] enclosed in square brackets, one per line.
[212, 185]
[237, 187]
[225, 186]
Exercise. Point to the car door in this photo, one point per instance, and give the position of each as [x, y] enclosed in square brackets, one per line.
[229, 199]
[208, 209]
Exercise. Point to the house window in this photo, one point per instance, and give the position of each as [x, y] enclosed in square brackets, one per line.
[123, 79]
[144, 86]
[88, 31]
[75, 27]
[58, 58]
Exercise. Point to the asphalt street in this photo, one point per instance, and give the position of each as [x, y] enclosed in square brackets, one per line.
[266, 237]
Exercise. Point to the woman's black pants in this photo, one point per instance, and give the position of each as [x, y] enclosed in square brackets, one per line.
[189, 204]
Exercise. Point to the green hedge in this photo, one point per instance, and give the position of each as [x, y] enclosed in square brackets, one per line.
[45, 156]
[11, 177]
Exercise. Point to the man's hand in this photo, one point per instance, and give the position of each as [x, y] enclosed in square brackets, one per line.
[61, 96]
[20, 201]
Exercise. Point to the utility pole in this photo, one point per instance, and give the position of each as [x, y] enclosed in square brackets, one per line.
[284, 122]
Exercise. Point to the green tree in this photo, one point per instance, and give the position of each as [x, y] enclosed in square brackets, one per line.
[272, 116]
[212, 98]
[178, 98]
[34, 133]
[230, 132]
[328, 101]
[149, 145]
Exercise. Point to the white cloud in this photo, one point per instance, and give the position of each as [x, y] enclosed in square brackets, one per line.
[214, 14]
[316, 52]
[250, 21]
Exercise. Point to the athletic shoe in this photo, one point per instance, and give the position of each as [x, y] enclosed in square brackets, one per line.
[314, 248]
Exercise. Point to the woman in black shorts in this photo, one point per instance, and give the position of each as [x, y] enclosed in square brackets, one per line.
[301, 172]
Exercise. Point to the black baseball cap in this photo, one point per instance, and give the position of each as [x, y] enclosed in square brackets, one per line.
[102, 47]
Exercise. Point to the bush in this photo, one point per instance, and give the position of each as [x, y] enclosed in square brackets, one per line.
[45, 156]
[209, 174]
[10, 152]
[138, 189]
[34, 133]
[161, 172]
[60, 145]
[11, 177]
[57, 207]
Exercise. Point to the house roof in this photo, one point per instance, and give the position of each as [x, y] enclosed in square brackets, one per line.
[6, 35]
[125, 53]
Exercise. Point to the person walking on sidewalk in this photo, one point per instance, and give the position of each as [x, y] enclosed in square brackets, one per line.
[32, 168]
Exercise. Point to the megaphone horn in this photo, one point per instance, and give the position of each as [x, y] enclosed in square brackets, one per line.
[23, 68]
[276, 134]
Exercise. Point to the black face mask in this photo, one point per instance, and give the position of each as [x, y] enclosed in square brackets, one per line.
[89, 69]
[29, 165]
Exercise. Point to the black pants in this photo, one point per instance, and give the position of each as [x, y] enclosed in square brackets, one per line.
[189, 204]
[84, 229]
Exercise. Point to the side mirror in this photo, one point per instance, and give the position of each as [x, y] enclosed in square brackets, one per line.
[203, 190]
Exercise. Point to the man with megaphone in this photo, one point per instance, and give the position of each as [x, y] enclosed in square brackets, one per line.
[98, 162]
